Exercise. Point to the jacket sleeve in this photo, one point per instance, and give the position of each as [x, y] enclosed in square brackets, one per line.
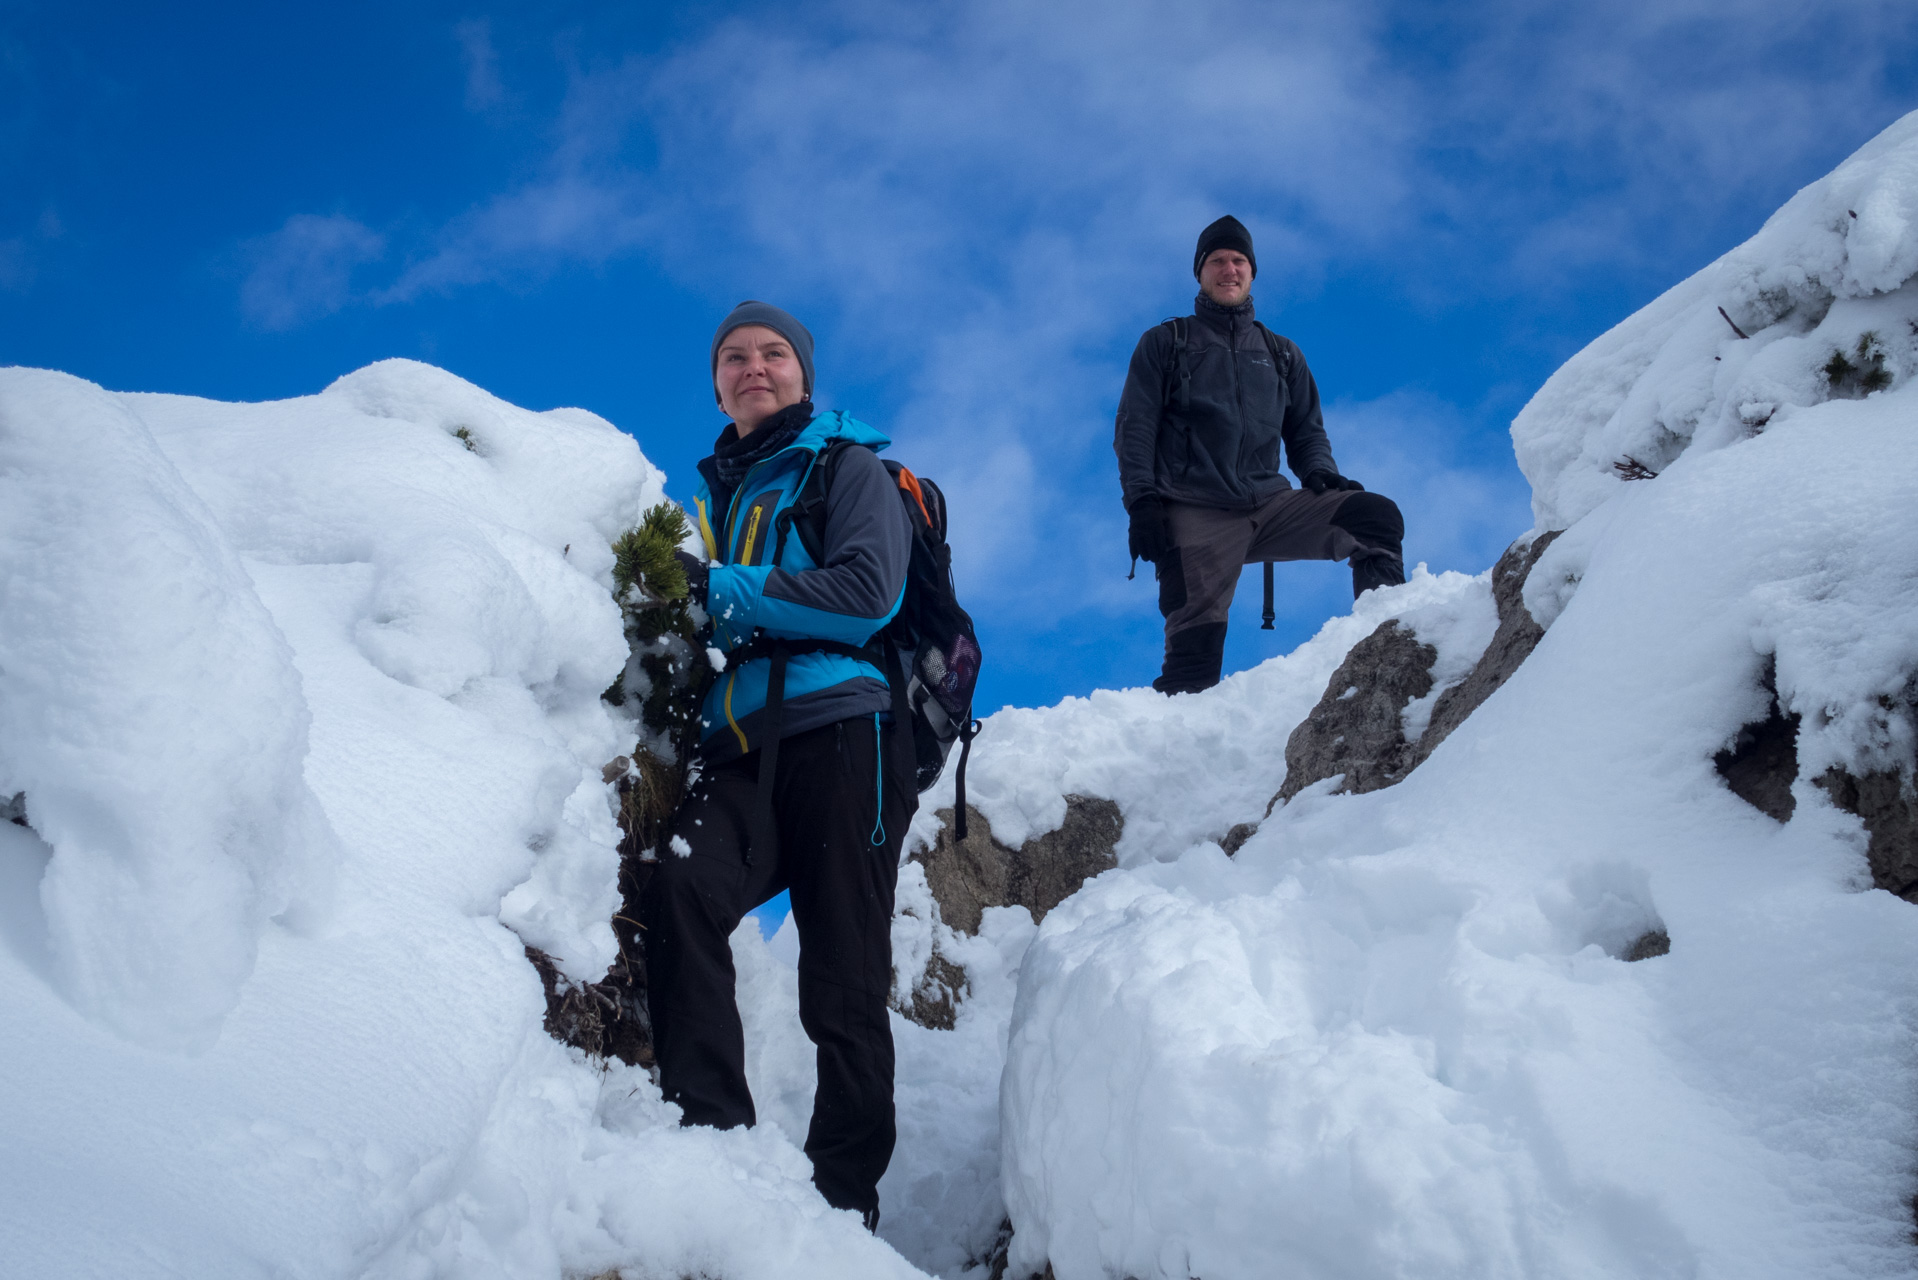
[1306, 447]
[858, 589]
[1135, 436]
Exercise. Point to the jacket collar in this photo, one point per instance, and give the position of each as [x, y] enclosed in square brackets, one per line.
[813, 435]
[734, 457]
[1224, 319]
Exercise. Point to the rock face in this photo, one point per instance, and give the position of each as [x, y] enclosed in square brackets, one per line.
[936, 996]
[969, 875]
[1762, 763]
[1517, 635]
[1648, 946]
[1357, 729]
[1234, 840]
[1885, 802]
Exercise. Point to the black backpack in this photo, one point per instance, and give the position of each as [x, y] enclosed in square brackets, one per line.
[929, 651]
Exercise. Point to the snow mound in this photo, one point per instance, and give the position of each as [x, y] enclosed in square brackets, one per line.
[154, 723]
[1747, 343]
[303, 700]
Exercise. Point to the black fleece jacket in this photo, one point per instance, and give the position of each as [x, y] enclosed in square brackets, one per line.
[1220, 446]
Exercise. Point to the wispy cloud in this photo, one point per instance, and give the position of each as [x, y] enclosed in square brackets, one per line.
[305, 269]
[981, 204]
[483, 86]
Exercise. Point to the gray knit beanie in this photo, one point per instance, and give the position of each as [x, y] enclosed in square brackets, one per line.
[780, 322]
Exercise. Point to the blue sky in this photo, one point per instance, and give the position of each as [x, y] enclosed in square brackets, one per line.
[977, 206]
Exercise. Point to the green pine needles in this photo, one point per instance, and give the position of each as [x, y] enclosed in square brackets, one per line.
[667, 672]
[1855, 378]
[650, 584]
[644, 556]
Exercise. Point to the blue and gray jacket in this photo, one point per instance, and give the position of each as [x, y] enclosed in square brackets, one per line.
[857, 591]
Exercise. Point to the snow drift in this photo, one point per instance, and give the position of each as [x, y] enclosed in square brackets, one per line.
[153, 715]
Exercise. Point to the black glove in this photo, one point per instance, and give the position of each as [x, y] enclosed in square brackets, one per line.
[696, 576]
[1321, 480]
[1150, 537]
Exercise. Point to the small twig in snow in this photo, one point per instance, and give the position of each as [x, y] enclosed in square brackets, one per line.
[1632, 469]
[1733, 323]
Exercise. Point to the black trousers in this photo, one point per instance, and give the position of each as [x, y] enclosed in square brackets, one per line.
[838, 853]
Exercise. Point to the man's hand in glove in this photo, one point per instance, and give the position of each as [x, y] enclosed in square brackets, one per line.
[1150, 537]
[696, 575]
[1322, 480]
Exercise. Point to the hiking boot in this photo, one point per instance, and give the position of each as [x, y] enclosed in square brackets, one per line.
[1381, 570]
[1193, 657]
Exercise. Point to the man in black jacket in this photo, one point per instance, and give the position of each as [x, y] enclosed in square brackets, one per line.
[1207, 401]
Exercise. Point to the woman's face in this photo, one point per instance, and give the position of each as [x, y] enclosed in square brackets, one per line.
[757, 376]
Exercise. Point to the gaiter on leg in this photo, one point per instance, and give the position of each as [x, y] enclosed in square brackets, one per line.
[1193, 657]
[1376, 522]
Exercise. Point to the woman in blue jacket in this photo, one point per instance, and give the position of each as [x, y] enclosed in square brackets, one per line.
[827, 821]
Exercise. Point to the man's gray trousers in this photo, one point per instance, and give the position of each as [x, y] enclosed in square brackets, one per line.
[1198, 578]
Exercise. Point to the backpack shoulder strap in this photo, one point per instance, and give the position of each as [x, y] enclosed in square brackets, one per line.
[806, 515]
[1181, 369]
[1281, 355]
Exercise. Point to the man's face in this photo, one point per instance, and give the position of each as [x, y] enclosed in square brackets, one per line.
[1226, 277]
[758, 375]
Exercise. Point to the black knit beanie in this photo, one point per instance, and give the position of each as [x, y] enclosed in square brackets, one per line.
[780, 322]
[1227, 233]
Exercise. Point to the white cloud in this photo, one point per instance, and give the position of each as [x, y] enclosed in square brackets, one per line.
[1460, 510]
[483, 86]
[305, 269]
[979, 205]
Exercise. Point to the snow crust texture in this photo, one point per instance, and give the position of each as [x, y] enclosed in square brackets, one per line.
[302, 700]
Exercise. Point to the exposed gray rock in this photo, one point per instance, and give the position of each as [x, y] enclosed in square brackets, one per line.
[1517, 635]
[1762, 762]
[969, 875]
[1234, 840]
[1885, 802]
[1647, 945]
[936, 996]
[1357, 728]
[15, 809]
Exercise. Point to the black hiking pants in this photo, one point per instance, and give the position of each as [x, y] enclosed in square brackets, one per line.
[839, 855]
[1198, 576]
